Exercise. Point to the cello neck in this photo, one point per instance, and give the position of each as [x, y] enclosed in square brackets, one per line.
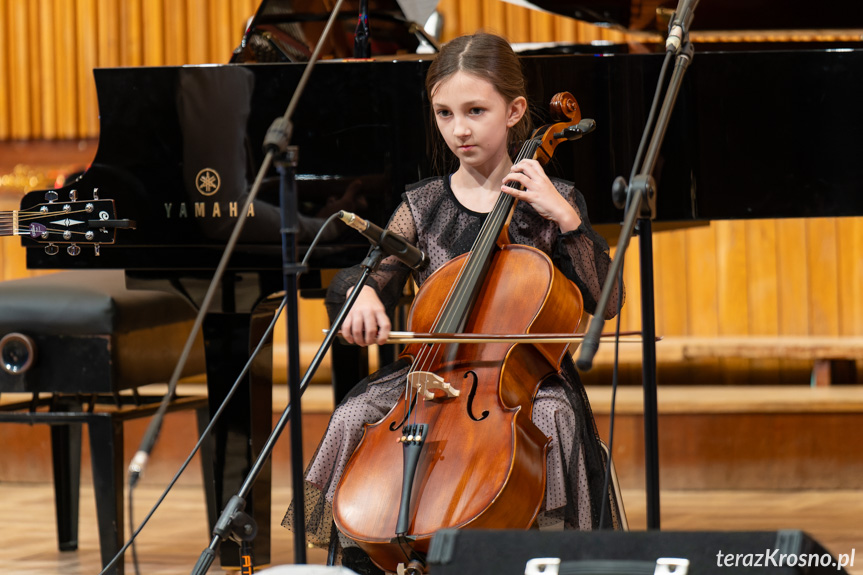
[454, 315]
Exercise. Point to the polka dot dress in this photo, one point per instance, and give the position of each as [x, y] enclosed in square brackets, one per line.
[431, 218]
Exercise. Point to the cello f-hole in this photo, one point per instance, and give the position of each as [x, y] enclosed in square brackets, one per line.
[394, 426]
[471, 396]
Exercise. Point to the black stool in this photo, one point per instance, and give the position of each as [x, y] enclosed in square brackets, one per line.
[83, 338]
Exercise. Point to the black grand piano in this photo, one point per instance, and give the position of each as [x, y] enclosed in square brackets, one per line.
[759, 131]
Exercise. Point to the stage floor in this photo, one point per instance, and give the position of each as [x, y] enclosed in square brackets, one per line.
[173, 540]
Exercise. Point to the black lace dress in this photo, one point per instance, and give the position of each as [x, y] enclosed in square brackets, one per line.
[431, 217]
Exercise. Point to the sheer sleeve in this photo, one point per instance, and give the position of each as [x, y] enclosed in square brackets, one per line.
[581, 254]
[390, 277]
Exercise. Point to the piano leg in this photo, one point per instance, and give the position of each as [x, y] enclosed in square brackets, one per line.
[244, 427]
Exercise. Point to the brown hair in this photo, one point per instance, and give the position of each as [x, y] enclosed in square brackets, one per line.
[489, 57]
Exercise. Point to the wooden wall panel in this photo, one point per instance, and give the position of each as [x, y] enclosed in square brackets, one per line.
[5, 74]
[86, 59]
[670, 281]
[494, 16]
[850, 279]
[223, 39]
[823, 276]
[65, 71]
[131, 33]
[541, 26]
[731, 277]
[565, 30]
[517, 24]
[153, 33]
[733, 301]
[762, 284]
[196, 34]
[702, 300]
[631, 313]
[174, 13]
[45, 89]
[19, 68]
[792, 277]
[34, 33]
[108, 33]
[469, 16]
[786, 277]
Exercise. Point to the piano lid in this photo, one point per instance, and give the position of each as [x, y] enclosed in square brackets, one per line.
[288, 30]
[652, 15]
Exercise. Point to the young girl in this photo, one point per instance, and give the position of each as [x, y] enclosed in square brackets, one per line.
[477, 92]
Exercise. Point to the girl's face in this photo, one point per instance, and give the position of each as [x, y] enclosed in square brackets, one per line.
[474, 118]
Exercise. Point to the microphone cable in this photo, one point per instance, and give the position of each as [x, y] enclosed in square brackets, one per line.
[615, 371]
[210, 425]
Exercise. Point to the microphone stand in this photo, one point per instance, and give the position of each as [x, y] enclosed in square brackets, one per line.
[286, 165]
[639, 197]
[234, 523]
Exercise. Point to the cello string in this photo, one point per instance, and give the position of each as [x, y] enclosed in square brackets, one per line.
[457, 295]
[489, 230]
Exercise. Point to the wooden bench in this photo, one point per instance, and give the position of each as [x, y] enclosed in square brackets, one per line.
[833, 357]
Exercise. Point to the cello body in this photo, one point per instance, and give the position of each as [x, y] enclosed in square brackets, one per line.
[483, 460]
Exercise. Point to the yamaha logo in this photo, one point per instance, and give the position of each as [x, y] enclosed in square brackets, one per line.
[208, 182]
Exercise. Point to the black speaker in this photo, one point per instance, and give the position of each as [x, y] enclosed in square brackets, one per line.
[505, 552]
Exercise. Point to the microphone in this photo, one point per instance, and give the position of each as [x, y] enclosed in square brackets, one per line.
[678, 28]
[390, 242]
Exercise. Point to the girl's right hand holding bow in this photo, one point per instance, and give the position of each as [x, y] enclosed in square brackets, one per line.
[367, 321]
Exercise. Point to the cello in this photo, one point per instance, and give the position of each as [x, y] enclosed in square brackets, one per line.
[472, 457]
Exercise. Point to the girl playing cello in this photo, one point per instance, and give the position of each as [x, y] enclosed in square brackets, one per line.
[477, 91]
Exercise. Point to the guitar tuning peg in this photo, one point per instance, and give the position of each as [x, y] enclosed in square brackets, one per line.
[51, 196]
[73, 195]
[95, 193]
[97, 250]
[52, 249]
[73, 250]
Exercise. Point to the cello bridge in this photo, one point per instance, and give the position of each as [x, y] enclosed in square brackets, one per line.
[425, 382]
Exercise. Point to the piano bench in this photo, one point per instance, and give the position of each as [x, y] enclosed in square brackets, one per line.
[89, 342]
[84, 332]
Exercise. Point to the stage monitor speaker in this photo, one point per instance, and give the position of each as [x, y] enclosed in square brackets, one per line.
[505, 552]
[306, 570]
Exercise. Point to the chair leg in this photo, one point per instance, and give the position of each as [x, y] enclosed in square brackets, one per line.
[66, 459]
[106, 452]
[208, 466]
[615, 485]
